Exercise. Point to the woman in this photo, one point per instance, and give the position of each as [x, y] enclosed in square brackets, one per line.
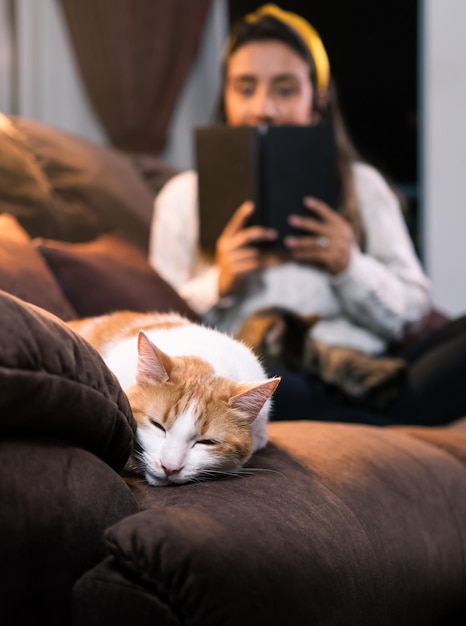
[354, 267]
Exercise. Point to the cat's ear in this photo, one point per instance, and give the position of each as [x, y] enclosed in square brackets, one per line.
[310, 320]
[254, 396]
[153, 364]
[273, 335]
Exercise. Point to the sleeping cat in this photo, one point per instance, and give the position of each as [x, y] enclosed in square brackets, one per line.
[200, 398]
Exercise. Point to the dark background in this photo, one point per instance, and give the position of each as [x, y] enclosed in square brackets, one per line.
[372, 47]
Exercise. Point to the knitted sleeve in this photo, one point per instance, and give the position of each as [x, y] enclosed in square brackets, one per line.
[173, 249]
[383, 288]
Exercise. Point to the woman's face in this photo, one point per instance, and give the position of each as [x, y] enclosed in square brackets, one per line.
[267, 82]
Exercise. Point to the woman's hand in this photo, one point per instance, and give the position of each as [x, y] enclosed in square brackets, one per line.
[327, 241]
[235, 254]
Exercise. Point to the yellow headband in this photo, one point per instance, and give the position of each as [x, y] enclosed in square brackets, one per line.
[306, 32]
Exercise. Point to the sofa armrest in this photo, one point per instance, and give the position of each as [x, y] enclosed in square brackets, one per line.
[54, 384]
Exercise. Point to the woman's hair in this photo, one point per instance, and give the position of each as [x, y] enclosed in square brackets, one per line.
[268, 28]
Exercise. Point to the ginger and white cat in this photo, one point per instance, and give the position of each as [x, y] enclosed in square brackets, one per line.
[199, 397]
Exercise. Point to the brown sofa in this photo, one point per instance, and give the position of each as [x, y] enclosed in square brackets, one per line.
[334, 524]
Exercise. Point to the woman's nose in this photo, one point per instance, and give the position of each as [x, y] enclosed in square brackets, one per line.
[264, 109]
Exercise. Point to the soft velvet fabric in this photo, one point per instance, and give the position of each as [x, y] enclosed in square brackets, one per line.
[109, 274]
[54, 384]
[56, 501]
[332, 524]
[61, 186]
[24, 273]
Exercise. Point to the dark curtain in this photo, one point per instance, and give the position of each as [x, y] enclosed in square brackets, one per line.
[134, 56]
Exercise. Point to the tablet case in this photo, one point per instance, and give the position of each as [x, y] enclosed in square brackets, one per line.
[275, 166]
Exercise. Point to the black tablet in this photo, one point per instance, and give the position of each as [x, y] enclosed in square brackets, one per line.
[275, 166]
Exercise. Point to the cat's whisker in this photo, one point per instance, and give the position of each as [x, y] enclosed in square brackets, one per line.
[216, 474]
[258, 469]
[213, 472]
[240, 471]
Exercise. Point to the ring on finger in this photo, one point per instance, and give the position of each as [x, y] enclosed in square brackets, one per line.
[322, 242]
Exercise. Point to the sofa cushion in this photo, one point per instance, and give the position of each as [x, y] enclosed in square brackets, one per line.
[24, 273]
[61, 186]
[329, 524]
[109, 274]
[57, 500]
[54, 384]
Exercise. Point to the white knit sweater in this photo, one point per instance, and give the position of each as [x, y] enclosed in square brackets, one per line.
[382, 294]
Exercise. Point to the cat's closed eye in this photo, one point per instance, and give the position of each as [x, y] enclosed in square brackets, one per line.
[207, 442]
[159, 426]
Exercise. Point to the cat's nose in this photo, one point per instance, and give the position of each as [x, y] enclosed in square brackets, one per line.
[169, 471]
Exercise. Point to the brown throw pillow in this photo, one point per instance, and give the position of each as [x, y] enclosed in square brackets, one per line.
[24, 273]
[61, 186]
[109, 274]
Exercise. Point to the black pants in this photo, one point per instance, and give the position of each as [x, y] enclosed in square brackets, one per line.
[434, 391]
